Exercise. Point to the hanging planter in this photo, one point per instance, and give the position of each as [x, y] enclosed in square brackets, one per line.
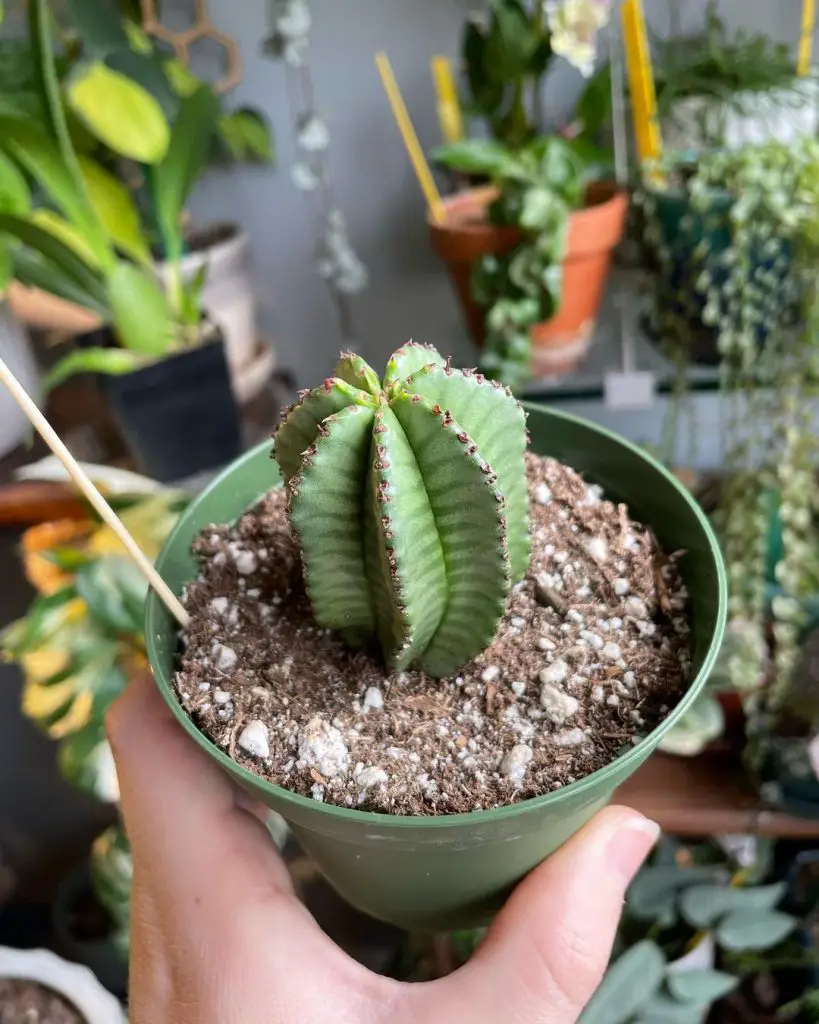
[41, 983]
[423, 870]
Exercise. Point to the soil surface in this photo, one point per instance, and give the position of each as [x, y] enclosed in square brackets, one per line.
[592, 653]
[27, 1002]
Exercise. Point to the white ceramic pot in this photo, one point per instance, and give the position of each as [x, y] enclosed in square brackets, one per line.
[76, 984]
[227, 296]
[781, 115]
[15, 350]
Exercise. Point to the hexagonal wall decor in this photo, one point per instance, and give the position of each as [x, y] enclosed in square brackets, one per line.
[200, 28]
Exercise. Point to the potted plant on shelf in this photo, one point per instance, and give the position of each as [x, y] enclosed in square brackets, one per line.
[505, 596]
[716, 90]
[529, 254]
[161, 362]
[753, 271]
[77, 646]
[121, 97]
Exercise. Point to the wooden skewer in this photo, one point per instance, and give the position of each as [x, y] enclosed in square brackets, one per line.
[101, 506]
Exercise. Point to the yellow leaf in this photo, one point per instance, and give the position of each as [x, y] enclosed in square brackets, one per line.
[41, 573]
[79, 714]
[116, 209]
[43, 664]
[40, 701]
[119, 112]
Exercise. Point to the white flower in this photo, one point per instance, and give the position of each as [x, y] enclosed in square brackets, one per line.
[574, 25]
[304, 177]
[294, 22]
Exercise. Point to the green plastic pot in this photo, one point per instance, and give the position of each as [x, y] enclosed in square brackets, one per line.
[454, 871]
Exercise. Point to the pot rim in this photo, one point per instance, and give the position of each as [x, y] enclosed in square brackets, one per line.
[154, 611]
[76, 984]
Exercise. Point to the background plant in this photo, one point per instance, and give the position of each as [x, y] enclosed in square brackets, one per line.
[539, 186]
[391, 462]
[748, 234]
[506, 53]
[79, 643]
[728, 71]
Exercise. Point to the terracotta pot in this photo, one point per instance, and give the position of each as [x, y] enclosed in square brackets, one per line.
[465, 236]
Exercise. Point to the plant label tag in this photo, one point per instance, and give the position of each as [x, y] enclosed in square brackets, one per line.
[629, 389]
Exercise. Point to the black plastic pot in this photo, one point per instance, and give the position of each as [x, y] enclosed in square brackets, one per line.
[178, 415]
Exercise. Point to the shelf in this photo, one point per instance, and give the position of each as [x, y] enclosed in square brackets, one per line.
[706, 795]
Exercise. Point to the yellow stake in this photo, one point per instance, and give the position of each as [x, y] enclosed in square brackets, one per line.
[449, 105]
[641, 81]
[806, 36]
[413, 146]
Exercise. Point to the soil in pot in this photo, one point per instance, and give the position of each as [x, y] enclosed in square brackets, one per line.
[28, 1002]
[593, 652]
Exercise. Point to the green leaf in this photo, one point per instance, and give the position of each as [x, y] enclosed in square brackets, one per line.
[116, 210]
[85, 759]
[700, 725]
[628, 984]
[475, 156]
[61, 256]
[15, 196]
[655, 890]
[109, 361]
[593, 109]
[138, 39]
[659, 1009]
[119, 112]
[67, 559]
[148, 71]
[246, 134]
[540, 209]
[326, 513]
[700, 986]
[28, 144]
[59, 227]
[406, 564]
[465, 506]
[187, 154]
[754, 929]
[511, 41]
[139, 310]
[406, 360]
[300, 425]
[32, 270]
[183, 81]
[6, 264]
[46, 615]
[114, 590]
[100, 26]
[496, 423]
[703, 905]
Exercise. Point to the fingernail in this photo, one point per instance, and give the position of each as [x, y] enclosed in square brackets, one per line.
[631, 844]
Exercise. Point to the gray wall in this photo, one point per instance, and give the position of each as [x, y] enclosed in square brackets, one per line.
[408, 294]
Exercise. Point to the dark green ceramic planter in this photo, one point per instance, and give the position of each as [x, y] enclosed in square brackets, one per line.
[442, 873]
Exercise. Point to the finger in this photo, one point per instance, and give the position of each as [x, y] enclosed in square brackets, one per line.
[180, 809]
[547, 950]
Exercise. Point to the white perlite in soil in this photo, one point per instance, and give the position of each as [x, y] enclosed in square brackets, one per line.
[592, 653]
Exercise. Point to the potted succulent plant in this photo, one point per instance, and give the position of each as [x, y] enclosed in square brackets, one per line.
[121, 95]
[36, 985]
[162, 363]
[505, 594]
[529, 254]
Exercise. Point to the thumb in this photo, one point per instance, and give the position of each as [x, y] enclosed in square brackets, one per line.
[547, 950]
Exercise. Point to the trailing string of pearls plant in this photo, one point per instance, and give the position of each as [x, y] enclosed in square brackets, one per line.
[335, 258]
[733, 239]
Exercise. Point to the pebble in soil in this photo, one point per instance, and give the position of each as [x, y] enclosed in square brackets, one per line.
[592, 653]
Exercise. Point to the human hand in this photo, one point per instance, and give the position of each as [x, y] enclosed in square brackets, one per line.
[218, 936]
